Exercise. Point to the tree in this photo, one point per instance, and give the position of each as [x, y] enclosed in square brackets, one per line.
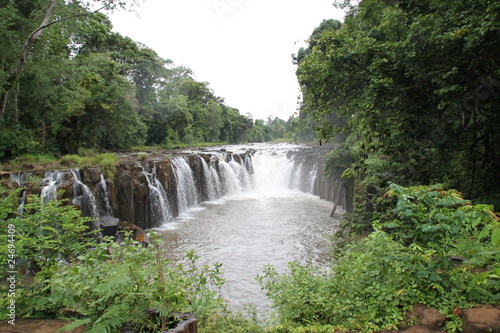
[76, 9]
[414, 114]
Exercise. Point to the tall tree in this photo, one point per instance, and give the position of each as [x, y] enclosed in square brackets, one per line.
[416, 84]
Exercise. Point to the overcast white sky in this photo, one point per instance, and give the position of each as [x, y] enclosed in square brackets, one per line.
[241, 47]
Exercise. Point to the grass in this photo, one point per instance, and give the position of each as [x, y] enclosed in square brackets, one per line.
[33, 159]
[106, 162]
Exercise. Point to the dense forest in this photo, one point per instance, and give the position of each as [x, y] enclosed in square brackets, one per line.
[410, 91]
[67, 81]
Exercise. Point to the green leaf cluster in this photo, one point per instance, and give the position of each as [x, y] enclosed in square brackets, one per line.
[437, 250]
[99, 283]
[412, 88]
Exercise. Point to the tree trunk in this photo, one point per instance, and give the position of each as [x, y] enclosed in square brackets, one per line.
[30, 41]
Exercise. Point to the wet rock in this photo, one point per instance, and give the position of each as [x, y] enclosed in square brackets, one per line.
[429, 317]
[92, 175]
[479, 320]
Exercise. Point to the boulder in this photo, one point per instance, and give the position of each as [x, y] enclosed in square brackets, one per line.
[479, 320]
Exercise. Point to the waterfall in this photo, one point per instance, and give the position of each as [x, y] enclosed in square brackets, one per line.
[105, 202]
[83, 197]
[241, 173]
[187, 194]
[52, 180]
[296, 177]
[212, 180]
[313, 174]
[230, 178]
[158, 200]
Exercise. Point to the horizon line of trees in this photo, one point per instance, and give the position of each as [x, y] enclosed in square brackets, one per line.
[68, 81]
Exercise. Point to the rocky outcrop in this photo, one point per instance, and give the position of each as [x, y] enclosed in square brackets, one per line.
[146, 193]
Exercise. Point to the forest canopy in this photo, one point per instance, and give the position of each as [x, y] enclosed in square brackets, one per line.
[68, 81]
[410, 89]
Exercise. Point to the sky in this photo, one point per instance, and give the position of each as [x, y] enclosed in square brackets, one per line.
[241, 47]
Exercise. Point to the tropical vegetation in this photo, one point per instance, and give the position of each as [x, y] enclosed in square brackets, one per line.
[407, 90]
[68, 81]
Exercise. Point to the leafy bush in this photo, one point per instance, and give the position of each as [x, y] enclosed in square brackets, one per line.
[46, 236]
[377, 279]
[15, 141]
[101, 285]
[436, 218]
[127, 284]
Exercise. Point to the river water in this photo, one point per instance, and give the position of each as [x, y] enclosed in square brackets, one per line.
[265, 223]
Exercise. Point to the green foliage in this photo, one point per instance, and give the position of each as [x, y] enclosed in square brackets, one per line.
[34, 159]
[245, 321]
[117, 284]
[15, 141]
[105, 161]
[413, 115]
[376, 280]
[46, 235]
[101, 285]
[435, 218]
[48, 232]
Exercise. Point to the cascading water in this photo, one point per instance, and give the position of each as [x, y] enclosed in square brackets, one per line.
[230, 178]
[83, 197]
[312, 176]
[265, 222]
[212, 181]
[51, 181]
[158, 201]
[242, 174]
[105, 208]
[187, 194]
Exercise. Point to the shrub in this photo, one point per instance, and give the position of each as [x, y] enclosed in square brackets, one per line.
[377, 279]
[70, 160]
[117, 284]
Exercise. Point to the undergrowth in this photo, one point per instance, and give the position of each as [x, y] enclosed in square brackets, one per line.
[408, 259]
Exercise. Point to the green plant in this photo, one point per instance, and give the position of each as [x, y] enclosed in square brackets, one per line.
[243, 321]
[436, 218]
[46, 235]
[116, 284]
[70, 160]
[374, 281]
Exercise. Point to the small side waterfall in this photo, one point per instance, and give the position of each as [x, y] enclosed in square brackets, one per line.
[187, 194]
[105, 208]
[312, 176]
[211, 180]
[158, 200]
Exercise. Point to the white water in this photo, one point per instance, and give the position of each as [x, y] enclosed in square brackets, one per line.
[259, 221]
[105, 205]
[158, 197]
[187, 195]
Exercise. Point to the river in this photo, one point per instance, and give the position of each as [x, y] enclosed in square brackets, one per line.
[266, 222]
